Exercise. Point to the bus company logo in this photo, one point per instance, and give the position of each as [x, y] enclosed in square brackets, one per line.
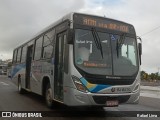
[113, 89]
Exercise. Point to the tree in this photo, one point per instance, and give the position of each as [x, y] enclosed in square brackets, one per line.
[144, 75]
[9, 64]
[153, 76]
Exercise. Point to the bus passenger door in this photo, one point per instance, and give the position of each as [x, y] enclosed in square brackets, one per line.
[59, 66]
[28, 66]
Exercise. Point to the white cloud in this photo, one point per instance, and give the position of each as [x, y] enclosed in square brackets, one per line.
[21, 19]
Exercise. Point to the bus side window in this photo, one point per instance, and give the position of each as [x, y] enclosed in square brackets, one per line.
[38, 48]
[48, 44]
[24, 52]
[19, 55]
[15, 56]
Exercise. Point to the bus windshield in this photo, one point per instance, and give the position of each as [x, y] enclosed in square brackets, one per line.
[102, 53]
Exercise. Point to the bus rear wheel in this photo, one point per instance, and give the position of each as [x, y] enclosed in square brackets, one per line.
[48, 96]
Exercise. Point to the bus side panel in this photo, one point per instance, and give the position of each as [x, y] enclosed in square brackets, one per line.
[39, 71]
[17, 70]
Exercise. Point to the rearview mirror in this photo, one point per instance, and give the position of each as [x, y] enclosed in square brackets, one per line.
[140, 48]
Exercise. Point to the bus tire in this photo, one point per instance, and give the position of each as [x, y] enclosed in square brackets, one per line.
[20, 89]
[48, 96]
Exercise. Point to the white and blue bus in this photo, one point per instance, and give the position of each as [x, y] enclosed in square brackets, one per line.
[81, 60]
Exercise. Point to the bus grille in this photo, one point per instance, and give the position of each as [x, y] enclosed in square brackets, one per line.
[103, 80]
[103, 99]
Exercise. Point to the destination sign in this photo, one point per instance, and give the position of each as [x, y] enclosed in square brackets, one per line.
[104, 23]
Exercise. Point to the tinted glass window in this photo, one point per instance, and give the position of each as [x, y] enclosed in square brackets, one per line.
[19, 55]
[24, 52]
[48, 44]
[15, 56]
[38, 48]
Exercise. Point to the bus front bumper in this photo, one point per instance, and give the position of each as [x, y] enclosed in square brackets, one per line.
[73, 97]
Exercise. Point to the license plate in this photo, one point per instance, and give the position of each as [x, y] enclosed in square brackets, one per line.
[112, 103]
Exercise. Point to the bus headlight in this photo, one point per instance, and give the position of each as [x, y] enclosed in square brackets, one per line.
[79, 84]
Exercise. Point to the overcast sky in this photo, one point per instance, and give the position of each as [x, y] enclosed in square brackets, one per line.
[21, 19]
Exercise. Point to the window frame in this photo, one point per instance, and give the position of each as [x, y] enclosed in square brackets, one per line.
[52, 42]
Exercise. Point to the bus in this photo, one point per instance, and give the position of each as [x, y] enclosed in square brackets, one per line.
[81, 60]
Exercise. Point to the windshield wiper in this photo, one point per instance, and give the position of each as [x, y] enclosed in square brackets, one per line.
[97, 41]
[120, 42]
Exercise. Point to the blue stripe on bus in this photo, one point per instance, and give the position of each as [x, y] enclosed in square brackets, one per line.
[17, 68]
[93, 87]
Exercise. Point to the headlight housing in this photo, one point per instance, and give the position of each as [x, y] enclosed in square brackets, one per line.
[79, 84]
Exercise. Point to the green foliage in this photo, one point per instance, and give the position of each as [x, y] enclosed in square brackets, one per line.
[152, 76]
[9, 64]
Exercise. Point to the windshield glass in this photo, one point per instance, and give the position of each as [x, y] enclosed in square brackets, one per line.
[93, 53]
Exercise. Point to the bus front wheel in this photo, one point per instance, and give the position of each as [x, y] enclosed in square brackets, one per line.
[48, 96]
